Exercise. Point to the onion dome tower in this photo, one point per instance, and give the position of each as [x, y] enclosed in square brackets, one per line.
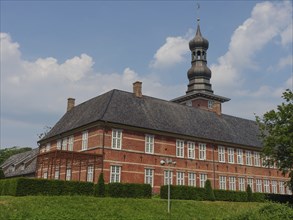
[199, 92]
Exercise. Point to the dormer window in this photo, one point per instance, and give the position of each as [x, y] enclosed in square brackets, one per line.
[210, 104]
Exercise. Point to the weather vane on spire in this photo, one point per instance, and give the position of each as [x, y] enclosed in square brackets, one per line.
[197, 10]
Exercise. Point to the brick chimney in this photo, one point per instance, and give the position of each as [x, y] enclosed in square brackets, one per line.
[70, 103]
[217, 108]
[137, 89]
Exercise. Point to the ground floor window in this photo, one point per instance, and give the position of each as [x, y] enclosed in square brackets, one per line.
[232, 183]
[191, 179]
[241, 181]
[90, 173]
[68, 174]
[274, 187]
[149, 177]
[56, 176]
[222, 182]
[45, 175]
[168, 177]
[115, 174]
[250, 183]
[202, 179]
[180, 178]
[258, 185]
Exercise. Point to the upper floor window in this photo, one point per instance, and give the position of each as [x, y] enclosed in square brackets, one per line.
[84, 140]
[239, 156]
[48, 146]
[115, 174]
[59, 144]
[179, 148]
[64, 144]
[256, 159]
[70, 143]
[230, 155]
[202, 151]
[180, 178]
[191, 150]
[221, 154]
[210, 104]
[116, 139]
[149, 144]
[248, 158]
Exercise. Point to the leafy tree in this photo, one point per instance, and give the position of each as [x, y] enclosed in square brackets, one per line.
[100, 190]
[2, 176]
[8, 152]
[249, 193]
[210, 196]
[276, 128]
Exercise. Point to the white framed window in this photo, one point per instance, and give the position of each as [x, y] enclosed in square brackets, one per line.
[258, 185]
[281, 187]
[90, 173]
[180, 178]
[250, 182]
[239, 156]
[257, 159]
[191, 179]
[68, 173]
[221, 154]
[241, 182]
[222, 182]
[45, 175]
[230, 155]
[266, 184]
[202, 179]
[210, 104]
[56, 176]
[289, 192]
[274, 187]
[191, 150]
[149, 176]
[168, 177]
[84, 140]
[116, 139]
[149, 144]
[70, 143]
[248, 158]
[48, 147]
[232, 183]
[64, 144]
[179, 148]
[202, 151]
[115, 174]
[59, 144]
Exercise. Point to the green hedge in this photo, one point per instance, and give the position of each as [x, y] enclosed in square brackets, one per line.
[183, 192]
[25, 186]
[129, 190]
[233, 196]
[279, 198]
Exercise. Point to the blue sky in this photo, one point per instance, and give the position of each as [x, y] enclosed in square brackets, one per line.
[52, 50]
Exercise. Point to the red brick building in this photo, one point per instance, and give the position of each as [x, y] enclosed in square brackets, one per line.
[127, 135]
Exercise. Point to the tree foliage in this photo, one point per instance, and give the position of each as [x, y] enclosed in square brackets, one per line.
[8, 152]
[249, 193]
[210, 196]
[2, 176]
[100, 188]
[276, 128]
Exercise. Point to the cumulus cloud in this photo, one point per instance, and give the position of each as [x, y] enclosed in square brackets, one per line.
[268, 20]
[172, 52]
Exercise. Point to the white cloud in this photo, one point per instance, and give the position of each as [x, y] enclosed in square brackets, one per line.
[268, 20]
[172, 52]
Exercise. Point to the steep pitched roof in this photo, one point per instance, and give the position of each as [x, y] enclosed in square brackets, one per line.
[147, 112]
[27, 158]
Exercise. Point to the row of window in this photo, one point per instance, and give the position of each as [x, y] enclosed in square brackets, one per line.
[265, 186]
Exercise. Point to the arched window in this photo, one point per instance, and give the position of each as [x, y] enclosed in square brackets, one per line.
[198, 55]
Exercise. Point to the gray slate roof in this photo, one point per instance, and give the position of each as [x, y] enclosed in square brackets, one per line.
[29, 158]
[147, 112]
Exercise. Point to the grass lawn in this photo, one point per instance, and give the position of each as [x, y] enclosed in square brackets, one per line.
[82, 207]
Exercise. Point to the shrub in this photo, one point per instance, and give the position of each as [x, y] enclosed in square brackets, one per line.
[26, 186]
[233, 196]
[279, 198]
[129, 190]
[258, 197]
[209, 193]
[249, 193]
[100, 187]
[2, 176]
[183, 192]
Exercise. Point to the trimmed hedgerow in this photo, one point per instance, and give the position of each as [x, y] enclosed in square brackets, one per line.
[25, 186]
[233, 196]
[183, 192]
[279, 198]
[129, 190]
